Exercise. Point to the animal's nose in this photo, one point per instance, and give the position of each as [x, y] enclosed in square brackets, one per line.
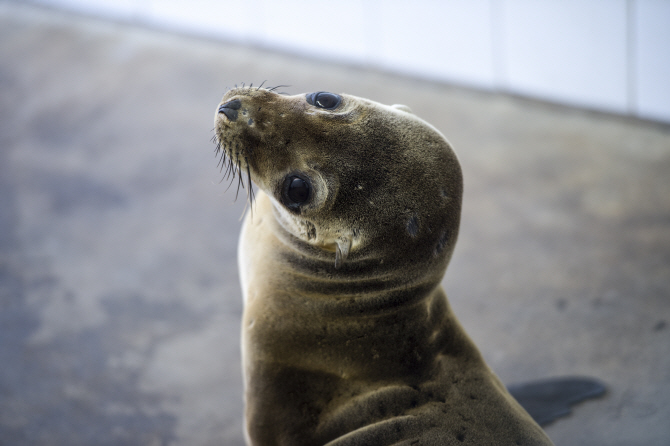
[230, 109]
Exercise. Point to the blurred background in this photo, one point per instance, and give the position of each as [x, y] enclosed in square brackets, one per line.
[609, 55]
[119, 299]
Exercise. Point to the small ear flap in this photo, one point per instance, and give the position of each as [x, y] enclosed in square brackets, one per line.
[342, 250]
[404, 108]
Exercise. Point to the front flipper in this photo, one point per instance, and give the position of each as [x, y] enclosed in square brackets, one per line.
[548, 399]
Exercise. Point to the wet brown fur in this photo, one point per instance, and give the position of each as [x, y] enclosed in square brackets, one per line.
[365, 352]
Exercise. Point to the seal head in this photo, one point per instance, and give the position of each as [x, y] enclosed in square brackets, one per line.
[347, 175]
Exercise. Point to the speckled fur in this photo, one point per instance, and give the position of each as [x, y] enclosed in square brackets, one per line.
[368, 353]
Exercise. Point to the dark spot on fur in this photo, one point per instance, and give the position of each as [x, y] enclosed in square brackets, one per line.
[413, 226]
[461, 435]
[441, 243]
[309, 229]
[250, 121]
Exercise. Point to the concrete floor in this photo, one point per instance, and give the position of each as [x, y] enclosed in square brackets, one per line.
[119, 302]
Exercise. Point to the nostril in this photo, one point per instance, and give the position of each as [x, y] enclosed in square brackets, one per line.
[235, 104]
[230, 109]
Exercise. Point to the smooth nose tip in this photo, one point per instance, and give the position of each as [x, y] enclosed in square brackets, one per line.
[230, 109]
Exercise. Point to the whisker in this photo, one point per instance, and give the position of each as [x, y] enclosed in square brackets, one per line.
[240, 182]
[232, 180]
[250, 197]
[278, 86]
[229, 170]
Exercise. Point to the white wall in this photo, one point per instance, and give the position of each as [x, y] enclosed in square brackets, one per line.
[611, 55]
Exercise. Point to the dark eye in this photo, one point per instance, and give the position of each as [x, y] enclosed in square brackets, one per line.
[296, 191]
[323, 99]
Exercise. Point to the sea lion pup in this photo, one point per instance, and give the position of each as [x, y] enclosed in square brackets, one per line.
[347, 335]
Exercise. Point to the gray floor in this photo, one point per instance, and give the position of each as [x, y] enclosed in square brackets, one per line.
[118, 285]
